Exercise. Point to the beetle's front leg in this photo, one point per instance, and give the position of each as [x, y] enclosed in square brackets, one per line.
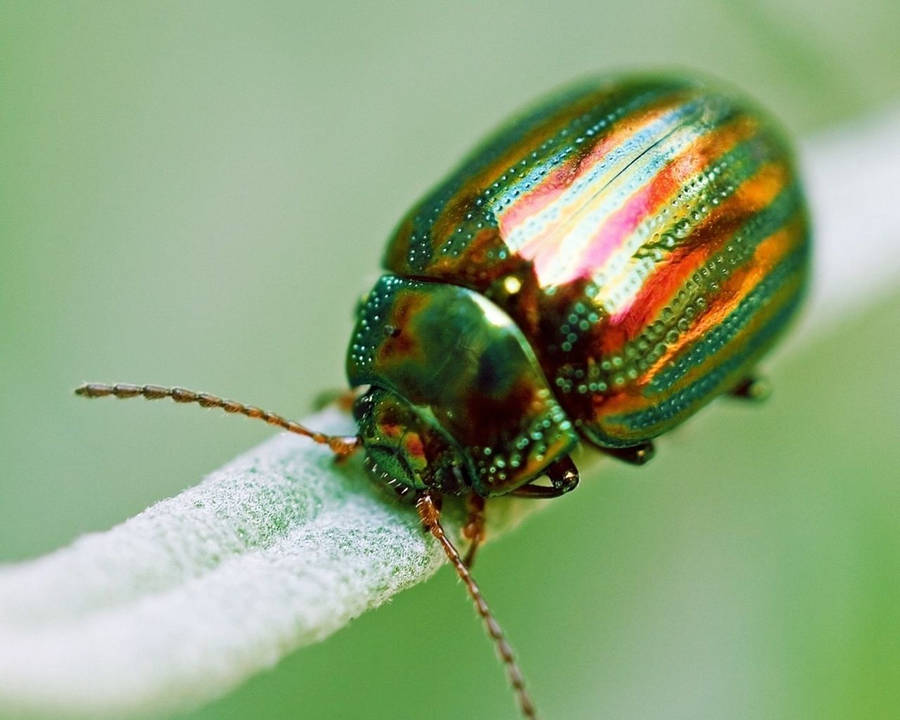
[563, 476]
[342, 399]
[473, 530]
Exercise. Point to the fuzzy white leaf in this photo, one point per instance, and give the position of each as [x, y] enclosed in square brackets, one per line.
[278, 549]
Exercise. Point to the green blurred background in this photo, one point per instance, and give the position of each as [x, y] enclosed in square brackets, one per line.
[196, 193]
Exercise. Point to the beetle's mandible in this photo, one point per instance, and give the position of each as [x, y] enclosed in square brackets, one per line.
[598, 270]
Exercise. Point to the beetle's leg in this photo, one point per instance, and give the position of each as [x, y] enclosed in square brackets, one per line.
[343, 399]
[753, 388]
[473, 531]
[636, 454]
[563, 476]
[430, 515]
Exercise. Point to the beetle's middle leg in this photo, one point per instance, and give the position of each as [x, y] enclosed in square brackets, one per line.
[473, 530]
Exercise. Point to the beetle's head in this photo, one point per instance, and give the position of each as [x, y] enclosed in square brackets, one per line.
[406, 448]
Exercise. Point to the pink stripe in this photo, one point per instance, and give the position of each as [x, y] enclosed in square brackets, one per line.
[620, 224]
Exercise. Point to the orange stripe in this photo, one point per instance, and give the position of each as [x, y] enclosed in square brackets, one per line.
[706, 240]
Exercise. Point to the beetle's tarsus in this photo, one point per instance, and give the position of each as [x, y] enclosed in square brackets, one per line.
[634, 455]
[753, 388]
[563, 477]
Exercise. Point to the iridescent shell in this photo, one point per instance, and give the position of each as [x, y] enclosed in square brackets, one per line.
[639, 242]
[649, 237]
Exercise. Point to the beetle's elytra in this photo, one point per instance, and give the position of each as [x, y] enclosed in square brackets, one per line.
[598, 270]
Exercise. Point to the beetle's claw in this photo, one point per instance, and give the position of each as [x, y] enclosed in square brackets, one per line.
[753, 388]
[634, 455]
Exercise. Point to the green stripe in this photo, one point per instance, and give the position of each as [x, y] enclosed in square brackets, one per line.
[776, 215]
[610, 108]
[729, 171]
[678, 403]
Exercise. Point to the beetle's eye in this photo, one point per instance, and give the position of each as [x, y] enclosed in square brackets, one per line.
[391, 330]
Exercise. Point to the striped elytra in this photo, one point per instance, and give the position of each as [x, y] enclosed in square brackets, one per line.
[646, 236]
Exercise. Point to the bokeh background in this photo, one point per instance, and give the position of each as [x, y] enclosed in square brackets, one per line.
[196, 193]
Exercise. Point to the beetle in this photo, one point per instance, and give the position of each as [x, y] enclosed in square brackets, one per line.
[595, 272]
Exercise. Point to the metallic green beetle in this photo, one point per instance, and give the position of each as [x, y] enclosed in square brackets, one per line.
[598, 270]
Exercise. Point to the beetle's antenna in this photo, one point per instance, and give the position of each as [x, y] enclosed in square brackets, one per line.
[340, 445]
[430, 516]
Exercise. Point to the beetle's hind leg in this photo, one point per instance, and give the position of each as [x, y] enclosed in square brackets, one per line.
[752, 387]
[635, 455]
[473, 530]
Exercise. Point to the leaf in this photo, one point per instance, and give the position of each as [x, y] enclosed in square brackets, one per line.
[278, 549]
